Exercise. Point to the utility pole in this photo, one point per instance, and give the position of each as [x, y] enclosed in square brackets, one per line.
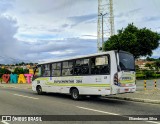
[102, 15]
[105, 24]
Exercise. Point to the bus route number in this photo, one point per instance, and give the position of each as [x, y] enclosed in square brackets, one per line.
[78, 81]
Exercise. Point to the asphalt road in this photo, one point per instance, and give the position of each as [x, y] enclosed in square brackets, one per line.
[25, 102]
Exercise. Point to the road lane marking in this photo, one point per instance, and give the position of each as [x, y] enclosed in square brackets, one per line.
[4, 122]
[130, 101]
[112, 114]
[97, 110]
[25, 96]
[153, 122]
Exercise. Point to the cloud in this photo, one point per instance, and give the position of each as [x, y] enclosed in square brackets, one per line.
[49, 50]
[13, 50]
[5, 5]
[156, 53]
[128, 13]
[61, 28]
[62, 45]
[39, 36]
[135, 10]
[152, 18]
[64, 25]
[7, 31]
[82, 18]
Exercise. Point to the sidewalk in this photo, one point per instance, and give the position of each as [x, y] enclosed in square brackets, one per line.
[20, 86]
[150, 95]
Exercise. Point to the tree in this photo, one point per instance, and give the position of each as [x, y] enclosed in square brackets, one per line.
[157, 65]
[18, 71]
[150, 59]
[4, 71]
[149, 66]
[31, 64]
[26, 71]
[139, 42]
[137, 67]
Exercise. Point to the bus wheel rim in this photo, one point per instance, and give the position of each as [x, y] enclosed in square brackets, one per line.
[39, 89]
[75, 95]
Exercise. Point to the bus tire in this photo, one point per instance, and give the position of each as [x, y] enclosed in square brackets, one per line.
[75, 94]
[39, 90]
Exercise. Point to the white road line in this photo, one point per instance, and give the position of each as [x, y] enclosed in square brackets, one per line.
[131, 101]
[4, 122]
[97, 110]
[112, 113]
[153, 122]
[25, 96]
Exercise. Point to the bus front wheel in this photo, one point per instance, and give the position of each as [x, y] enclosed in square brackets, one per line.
[39, 90]
[75, 94]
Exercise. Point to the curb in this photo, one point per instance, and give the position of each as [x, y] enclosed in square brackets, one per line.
[137, 100]
[16, 87]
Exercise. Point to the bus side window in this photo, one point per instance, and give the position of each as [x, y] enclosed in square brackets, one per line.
[100, 65]
[67, 68]
[81, 67]
[42, 70]
[46, 70]
[38, 72]
[56, 69]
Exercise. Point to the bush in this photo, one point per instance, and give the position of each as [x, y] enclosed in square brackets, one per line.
[140, 76]
[148, 74]
[157, 75]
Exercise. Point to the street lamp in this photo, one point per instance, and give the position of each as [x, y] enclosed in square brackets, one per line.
[102, 27]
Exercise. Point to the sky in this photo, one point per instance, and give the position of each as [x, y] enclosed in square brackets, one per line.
[41, 30]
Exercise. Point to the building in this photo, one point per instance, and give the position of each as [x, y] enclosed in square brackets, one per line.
[142, 62]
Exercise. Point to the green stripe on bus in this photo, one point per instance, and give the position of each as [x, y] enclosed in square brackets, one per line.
[45, 79]
[76, 84]
[127, 82]
[132, 75]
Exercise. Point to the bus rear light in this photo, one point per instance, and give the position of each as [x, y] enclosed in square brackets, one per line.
[116, 78]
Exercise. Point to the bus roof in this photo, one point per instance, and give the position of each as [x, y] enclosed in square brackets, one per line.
[78, 57]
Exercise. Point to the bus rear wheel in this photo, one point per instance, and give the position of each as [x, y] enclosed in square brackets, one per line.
[39, 90]
[75, 94]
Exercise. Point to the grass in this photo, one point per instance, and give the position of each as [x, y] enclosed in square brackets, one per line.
[142, 76]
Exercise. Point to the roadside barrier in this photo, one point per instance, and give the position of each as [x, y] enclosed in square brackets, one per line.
[145, 85]
[155, 84]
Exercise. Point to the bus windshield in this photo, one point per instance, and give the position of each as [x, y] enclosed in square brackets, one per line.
[126, 61]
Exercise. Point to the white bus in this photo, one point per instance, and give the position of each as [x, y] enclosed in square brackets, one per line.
[98, 74]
